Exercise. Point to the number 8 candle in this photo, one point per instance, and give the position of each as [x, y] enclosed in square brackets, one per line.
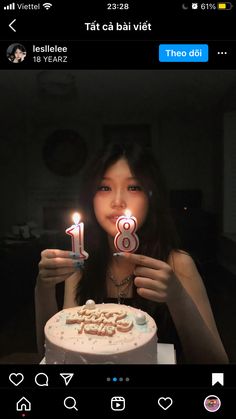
[126, 240]
[76, 231]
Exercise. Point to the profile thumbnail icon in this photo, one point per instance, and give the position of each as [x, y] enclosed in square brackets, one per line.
[16, 53]
[212, 403]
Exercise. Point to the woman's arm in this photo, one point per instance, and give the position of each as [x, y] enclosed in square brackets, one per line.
[45, 307]
[55, 266]
[70, 290]
[46, 304]
[192, 314]
[179, 285]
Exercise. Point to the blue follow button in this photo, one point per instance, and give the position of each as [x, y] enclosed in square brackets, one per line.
[180, 53]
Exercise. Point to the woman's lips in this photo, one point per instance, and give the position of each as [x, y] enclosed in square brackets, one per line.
[114, 218]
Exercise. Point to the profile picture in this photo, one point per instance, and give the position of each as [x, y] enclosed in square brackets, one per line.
[16, 53]
[212, 403]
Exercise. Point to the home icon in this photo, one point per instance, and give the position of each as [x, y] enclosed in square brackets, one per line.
[23, 405]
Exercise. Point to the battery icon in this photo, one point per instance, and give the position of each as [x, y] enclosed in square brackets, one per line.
[224, 6]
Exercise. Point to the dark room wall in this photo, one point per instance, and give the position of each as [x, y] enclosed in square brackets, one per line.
[181, 111]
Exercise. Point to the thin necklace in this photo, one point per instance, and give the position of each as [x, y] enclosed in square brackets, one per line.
[127, 281]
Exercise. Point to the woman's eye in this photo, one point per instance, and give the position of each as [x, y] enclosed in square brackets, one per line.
[134, 188]
[104, 188]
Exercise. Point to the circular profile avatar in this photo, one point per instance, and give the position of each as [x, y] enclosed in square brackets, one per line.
[16, 53]
[212, 403]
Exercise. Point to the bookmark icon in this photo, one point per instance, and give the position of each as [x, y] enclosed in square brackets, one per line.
[66, 377]
[217, 378]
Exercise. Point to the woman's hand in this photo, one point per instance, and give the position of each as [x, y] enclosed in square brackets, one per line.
[154, 279]
[56, 266]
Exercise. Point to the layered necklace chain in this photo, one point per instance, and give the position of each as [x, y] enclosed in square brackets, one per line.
[125, 283]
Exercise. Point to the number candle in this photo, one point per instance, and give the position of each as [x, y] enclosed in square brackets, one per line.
[126, 240]
[76, 231]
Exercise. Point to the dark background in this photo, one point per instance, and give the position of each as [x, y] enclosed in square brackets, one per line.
[60, 22]
[52, 122]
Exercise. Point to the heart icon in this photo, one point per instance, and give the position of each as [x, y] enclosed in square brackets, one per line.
[16, 379]
[165, 402]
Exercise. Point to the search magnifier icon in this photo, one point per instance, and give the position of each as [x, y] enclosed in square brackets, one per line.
[70, 403]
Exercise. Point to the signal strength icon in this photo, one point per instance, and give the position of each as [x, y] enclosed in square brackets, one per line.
[47, 5]
[10, 6]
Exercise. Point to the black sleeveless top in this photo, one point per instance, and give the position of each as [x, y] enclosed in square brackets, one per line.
[166, 331]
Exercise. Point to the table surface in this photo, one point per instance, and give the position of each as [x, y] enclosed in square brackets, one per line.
[166, 353]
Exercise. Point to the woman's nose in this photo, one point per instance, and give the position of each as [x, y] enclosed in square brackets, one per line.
[118, 200]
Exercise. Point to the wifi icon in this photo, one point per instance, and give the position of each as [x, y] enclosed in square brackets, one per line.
[47, 5]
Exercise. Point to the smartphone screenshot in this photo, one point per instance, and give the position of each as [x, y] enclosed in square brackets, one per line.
[118, 209]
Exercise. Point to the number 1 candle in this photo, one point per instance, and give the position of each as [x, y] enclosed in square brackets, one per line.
[126, 240]
[76, 231]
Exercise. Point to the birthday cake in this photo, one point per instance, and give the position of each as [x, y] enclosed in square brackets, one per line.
[101, 334]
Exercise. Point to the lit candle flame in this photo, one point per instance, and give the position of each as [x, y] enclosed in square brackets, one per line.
[128, 213]
[76, 218]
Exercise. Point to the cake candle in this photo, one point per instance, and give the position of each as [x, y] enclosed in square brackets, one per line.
[76, 231]
[126, 240]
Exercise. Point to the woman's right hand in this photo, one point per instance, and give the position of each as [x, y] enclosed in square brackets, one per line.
[56, 266]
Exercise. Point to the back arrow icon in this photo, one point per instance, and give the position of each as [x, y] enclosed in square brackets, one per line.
[10, 25]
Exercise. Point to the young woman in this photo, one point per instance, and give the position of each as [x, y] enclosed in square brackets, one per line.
[18, 53]
[159, 278]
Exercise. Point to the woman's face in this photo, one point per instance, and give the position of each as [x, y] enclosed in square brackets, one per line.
[119, 190]
[19, 54]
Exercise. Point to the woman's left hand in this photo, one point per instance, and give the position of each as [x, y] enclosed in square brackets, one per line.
[155, 280]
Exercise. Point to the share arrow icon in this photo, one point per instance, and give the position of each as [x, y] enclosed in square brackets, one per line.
[66, 377]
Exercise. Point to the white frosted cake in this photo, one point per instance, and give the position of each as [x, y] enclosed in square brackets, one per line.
[101, 334]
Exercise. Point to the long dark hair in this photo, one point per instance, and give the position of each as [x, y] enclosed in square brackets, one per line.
[157, 235]
[16, 47]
